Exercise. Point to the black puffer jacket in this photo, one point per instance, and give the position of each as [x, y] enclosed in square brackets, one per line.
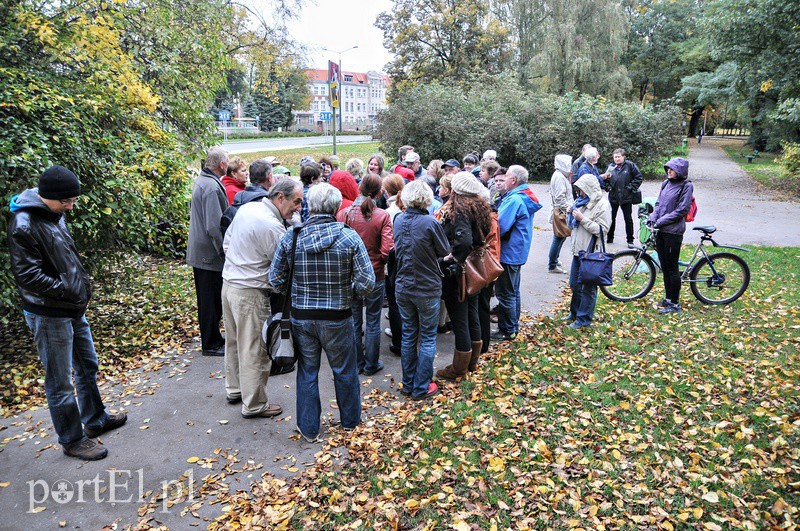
[44, 260]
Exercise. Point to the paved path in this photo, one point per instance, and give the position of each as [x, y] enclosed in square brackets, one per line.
[280, 144]
[181, 405]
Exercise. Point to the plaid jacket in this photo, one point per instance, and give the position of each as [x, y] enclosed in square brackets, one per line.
[331, 263]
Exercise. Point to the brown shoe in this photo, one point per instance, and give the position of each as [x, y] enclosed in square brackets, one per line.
[112, 423]
[273, 410]
[477, 346]
[87, 449]
[458, 367]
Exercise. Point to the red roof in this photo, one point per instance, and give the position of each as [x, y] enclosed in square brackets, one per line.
[316, 74]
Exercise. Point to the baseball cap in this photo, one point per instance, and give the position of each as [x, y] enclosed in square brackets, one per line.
[453, 163]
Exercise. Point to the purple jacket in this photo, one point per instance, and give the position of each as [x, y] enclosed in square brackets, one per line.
[672, 205]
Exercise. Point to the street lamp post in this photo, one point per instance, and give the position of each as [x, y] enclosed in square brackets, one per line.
[341, 73]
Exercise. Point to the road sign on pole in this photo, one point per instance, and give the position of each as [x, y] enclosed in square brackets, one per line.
[325, 116]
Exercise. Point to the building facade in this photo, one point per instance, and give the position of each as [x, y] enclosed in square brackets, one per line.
[362, 97]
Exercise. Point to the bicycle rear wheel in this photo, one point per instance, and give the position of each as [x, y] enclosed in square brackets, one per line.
[721, 280]
[633, 274]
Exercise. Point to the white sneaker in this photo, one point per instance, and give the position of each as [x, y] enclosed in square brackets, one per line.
[387, 331]
[315, 440]
[557, 270]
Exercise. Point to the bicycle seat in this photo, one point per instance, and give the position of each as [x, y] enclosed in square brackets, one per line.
[708, 229]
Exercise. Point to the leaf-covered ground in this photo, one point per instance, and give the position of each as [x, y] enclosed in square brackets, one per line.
[644, 421]
[141, 311]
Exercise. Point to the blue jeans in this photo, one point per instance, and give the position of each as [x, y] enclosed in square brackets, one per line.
[336, 337]
[420, 319]
[369, 351]
[65, 344]
[509, 300]
[584, 296]
[555, 250]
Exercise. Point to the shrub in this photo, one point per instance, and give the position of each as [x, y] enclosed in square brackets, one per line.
[790, 160]
[448, 122]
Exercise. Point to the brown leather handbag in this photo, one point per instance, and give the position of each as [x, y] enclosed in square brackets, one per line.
[560, 227]
[480, 269]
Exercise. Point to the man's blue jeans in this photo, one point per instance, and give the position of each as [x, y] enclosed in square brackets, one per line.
[370, 349]
[336, 337]
[584, 296]
[555, 250]
[509, 299]
[65, 344]
[420, 319]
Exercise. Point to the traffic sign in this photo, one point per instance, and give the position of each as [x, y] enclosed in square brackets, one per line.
[325, 116]
[224, 115]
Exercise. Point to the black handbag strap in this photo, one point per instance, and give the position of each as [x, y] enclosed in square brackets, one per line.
[287, 303]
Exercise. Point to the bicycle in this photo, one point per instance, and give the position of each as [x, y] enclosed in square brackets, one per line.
[714, 278]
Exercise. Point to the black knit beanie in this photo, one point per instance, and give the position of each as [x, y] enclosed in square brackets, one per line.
[57, 182]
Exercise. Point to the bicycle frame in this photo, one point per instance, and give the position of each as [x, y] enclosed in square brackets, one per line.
[700, 250]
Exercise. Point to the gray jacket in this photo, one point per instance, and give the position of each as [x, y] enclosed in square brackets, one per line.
[204, 248]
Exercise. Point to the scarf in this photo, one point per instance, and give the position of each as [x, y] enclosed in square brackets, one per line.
[571, 221]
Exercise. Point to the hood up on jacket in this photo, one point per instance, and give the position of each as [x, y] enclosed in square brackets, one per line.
[345, 183]
[319, 234]
[591, 187]
[29, 199]
[679, 165]
[563, 163]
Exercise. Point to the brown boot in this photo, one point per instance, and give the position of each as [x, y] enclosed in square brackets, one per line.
[476, 355]
[458, 368]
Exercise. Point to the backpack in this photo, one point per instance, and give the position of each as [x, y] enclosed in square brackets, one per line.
[692, 214]
[239, 199]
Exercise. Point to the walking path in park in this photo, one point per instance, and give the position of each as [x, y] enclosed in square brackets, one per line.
[180, 424]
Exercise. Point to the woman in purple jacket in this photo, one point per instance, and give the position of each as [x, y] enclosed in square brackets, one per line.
[672, 205]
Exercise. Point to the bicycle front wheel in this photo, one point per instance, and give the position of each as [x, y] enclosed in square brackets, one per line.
[633, 276]
[720, 278]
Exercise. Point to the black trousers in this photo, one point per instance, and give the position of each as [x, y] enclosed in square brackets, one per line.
[464, 316]
[484, 317]
[668, 247]
[395, 321]
[626, 214]
[208, 286]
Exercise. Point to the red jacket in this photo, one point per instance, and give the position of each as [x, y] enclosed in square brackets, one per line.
[376, 233]
[232, 187]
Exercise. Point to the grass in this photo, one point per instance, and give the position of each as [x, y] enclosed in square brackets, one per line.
[641, 421]
[291, 157]
[765, 169]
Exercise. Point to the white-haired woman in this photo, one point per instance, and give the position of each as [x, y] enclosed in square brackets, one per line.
[355, 167]
[420, 245]
[590, 165]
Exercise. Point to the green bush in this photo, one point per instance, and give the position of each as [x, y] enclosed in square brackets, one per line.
[135, 181]
[447, 122]
[790, 160]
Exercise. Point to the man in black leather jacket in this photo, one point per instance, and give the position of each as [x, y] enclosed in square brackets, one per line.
[55, 291]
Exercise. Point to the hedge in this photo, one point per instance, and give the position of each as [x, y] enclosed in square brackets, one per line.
[448, 122]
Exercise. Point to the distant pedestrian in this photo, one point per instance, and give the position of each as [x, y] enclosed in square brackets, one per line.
[55, 292]
[331, 267]
[700, 135]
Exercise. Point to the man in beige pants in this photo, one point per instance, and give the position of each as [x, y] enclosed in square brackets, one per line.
[249, 245]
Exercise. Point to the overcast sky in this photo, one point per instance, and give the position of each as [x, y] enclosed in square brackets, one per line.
[339, 25]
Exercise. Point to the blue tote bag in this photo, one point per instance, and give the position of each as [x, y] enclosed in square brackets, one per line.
[595, 267]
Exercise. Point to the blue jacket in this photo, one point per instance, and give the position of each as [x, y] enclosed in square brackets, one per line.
[515, 216]
[590, 169]
[419, 243]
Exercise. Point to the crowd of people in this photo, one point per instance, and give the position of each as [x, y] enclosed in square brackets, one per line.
[339, 244]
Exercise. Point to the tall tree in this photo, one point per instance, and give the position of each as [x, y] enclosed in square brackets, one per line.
[566, 45]
[763, 38]
[448, 40]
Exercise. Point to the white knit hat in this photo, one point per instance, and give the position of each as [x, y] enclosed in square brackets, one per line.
[464, 183]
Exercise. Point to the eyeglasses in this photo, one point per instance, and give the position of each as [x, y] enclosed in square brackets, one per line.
[68, 202]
